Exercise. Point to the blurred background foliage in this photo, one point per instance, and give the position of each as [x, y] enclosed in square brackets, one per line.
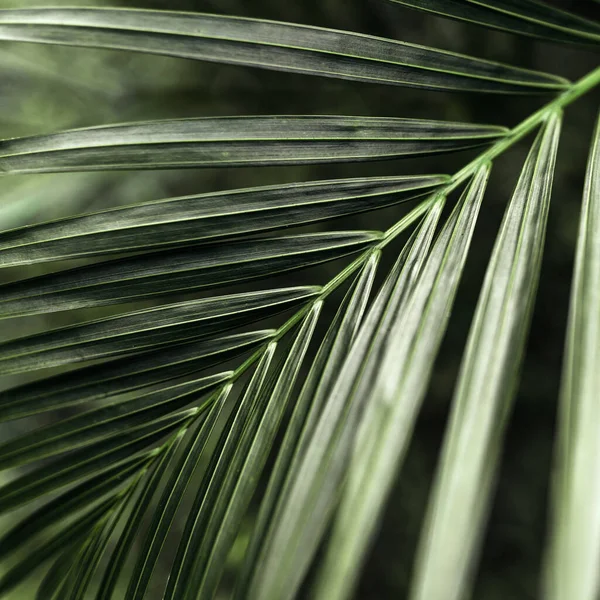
[48, 88]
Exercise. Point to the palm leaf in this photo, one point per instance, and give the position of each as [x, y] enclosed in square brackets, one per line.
[181, 474]
[145, 329]
[270, 45]
[237, 141]
[124, 544]
[395, 395]
[486, 382]
[218, 480]
[307, 410]
[206, 217]
[311, 489]
[177, 271]
[65, 505]
[571, 564]
[112, 378]
[243, 473]
[72, 533]
[524, 17]
[89, 460]
[99, 423]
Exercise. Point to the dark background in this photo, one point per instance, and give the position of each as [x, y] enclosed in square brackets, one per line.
[50, 88]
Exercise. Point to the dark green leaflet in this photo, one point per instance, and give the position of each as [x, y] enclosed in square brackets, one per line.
[176, 271]
[516, 16]
[144, 369]
[237, 141]
[145, 329]
[270, 45]
[206, 217]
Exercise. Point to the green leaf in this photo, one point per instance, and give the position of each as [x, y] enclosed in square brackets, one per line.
[70, 534]
[486, 384]
[526, 17]
[395, 395]
[145, 329]
[318, 384]
[101, 537]
[131, 529]
[67, 504]
[90, 460]
[574, 550]
[176, 271]
[51, 584]
[239, 484]
[311, 489]
[237, 141]
[145, 369]
[241, 420]
[182, 472]
[269, 45]
[180, 221]
[99, 423]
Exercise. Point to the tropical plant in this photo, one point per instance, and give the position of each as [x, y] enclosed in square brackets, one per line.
[157, 426]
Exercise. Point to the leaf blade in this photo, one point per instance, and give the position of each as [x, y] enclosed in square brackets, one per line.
[485, 387]
[570, 562]
[205, 217]
[139, 330]
[176, 272]
[237, 142]
[270, 45]
[525, 17]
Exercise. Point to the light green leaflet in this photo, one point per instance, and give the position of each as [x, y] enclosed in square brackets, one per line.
[182, 472]
[572, 564]
[487, 382]
[109, 379]
[311, 488]
[108, 419]
[51, 584]
[146, 329]
[239, 482]
[237, 141]
[309, 405]
[394, 396]
[206, 217]
[270, 45]
[516, 16]
[177, 271]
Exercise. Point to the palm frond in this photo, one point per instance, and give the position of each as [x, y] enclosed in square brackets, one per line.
[145, 329]
[177, 271]
[575, 544]
[486, 383]
[237, 142]
[395, 395]
[270, 45]
[524, 17]
[175, 416]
